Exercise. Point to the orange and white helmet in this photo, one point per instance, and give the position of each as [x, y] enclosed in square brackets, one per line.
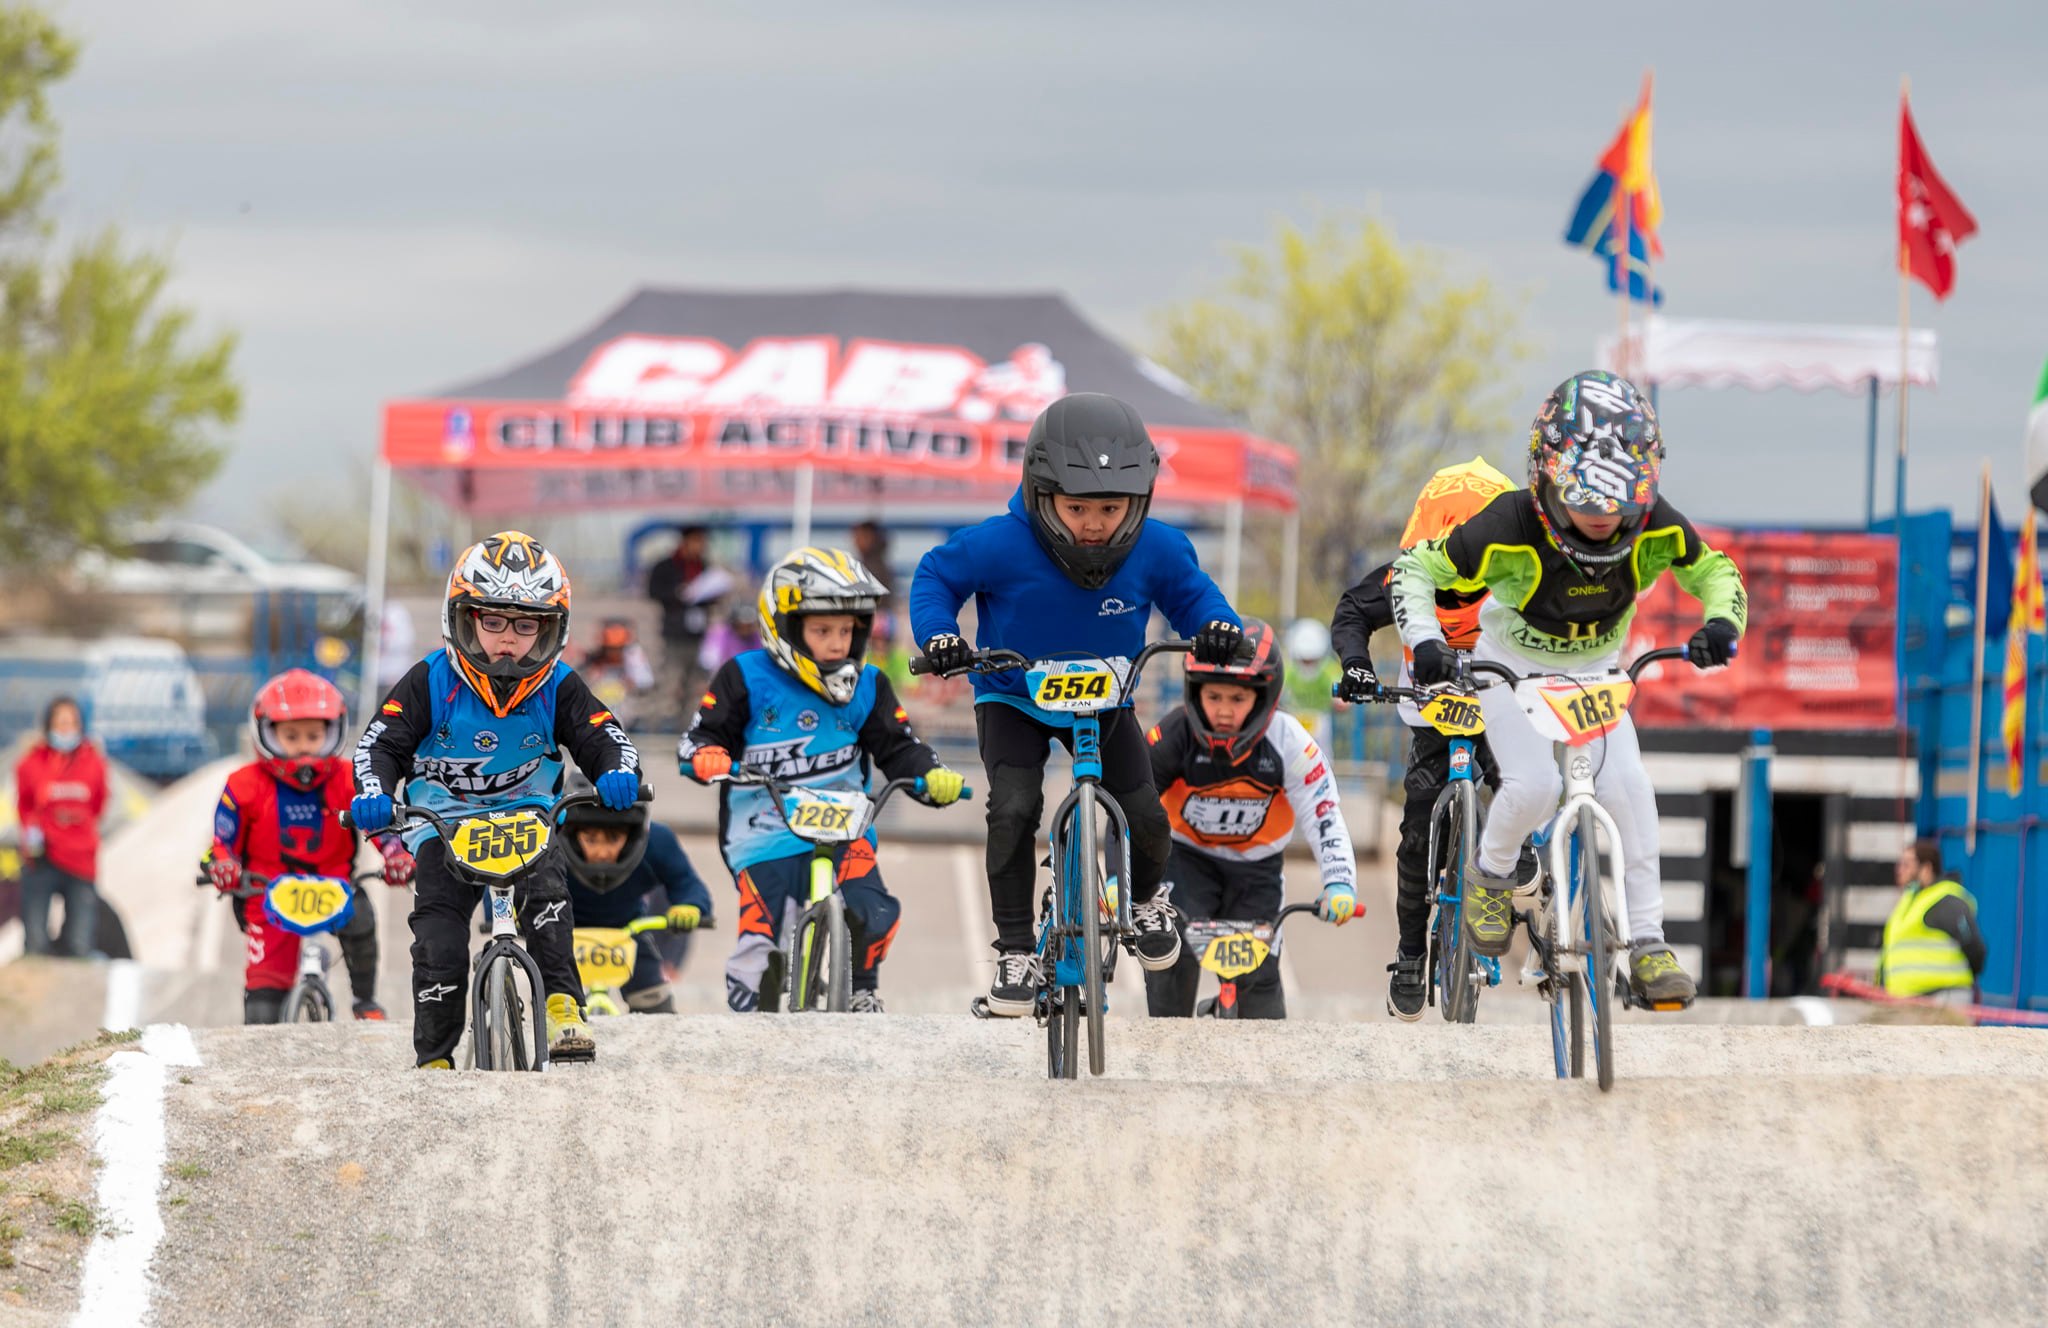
[508, 573]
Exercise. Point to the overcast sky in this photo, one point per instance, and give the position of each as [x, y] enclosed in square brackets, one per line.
[384, 198]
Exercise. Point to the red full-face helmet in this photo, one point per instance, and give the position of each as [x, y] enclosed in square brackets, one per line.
[296, 694]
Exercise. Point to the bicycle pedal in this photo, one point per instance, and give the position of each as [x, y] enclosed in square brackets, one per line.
[978, 1007]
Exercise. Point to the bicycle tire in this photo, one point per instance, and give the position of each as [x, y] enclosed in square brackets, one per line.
[522, 1055]
[1458, 970]
[838, 964]
[1090, 896]
[1063, 1034]
[303, 1005]
[494, 1041]
[1599, 952]
[1575, 993]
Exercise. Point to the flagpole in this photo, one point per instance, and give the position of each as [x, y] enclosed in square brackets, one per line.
[1905, 365]
[1977, 661]
[1621, 226]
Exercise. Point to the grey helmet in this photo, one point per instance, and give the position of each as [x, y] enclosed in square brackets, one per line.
[1088, 445]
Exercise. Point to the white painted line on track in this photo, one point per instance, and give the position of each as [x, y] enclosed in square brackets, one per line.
[971, 895]
[1813, 1011]
[128, 1139]
[124, 995]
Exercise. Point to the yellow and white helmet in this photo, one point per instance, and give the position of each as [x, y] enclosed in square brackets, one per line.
[814, 580]
[507, 573]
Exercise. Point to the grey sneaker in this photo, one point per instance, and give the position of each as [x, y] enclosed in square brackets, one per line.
[1158, 936]
[1489, 911]
[1659, 981]
[865, 1002]
[1016, 984]
[1406, 990]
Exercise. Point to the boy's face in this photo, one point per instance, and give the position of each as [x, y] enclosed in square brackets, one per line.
[601, 844]
[1596, 527]
[1227, 704]
[1090, 520]
[505, 635]
[300, 737]
[828, 637]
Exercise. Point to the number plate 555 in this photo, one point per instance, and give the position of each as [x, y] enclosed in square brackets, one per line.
[500, 844]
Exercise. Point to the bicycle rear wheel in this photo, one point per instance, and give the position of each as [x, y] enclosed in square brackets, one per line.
[1089, 897]
[837, 969]
[1457, 967]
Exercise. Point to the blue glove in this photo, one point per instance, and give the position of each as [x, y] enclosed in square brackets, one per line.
[1338, 903]
[618, 789]
[370, 813]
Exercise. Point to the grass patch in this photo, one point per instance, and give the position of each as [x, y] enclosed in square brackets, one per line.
[75, 1216]
[44, 1111]
[18, 1150]
[189, 1170]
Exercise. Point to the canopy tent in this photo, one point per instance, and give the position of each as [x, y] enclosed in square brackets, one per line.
[733, 400]
[1807, 357]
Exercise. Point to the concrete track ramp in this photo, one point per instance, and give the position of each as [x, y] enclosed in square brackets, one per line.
[909, 1169]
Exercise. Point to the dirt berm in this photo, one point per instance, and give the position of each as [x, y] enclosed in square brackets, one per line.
[729, 1170]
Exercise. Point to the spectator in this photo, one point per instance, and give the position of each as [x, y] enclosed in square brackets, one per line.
[60, 791]
[871, 546]
[687, 587]
[1311, 672]
[1932, 947]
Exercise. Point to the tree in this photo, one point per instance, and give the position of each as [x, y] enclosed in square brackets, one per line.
[1365, 358]
[108, 410]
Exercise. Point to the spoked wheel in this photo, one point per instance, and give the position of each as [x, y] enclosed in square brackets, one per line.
[1063, 1034]
[1093, 959]
[1599, 948]
[837, 970]
[1457, 972]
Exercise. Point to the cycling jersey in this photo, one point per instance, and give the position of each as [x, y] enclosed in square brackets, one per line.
[764, 716]
[436, 736]
[1545, 606]
[1247, 811]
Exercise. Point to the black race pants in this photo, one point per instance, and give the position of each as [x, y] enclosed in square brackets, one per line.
[1206, 887]
[1014, 748]
[442, 907]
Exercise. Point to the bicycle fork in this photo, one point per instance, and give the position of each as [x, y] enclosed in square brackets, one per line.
[504, 943]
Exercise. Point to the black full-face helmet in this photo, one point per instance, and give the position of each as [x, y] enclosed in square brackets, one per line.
[603, 877]
[1088, 445]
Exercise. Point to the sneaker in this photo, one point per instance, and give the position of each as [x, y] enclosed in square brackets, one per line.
[1488, 911]
[568, 1036]
[369, 1010]
[1158, 941]
[1659, 981]
[438, 1063]
[1015, 988]
[1406, 991]
[865, 1002]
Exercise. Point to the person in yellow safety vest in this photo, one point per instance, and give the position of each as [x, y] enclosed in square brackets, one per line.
[1932, 947]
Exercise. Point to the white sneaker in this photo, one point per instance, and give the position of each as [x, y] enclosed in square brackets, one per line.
[865, 1002]
[1158, 941]
[1015, 989]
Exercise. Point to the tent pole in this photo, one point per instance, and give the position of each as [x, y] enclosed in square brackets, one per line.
[800, 514]
[1233, 547]
[1290, 567]
[374, 571]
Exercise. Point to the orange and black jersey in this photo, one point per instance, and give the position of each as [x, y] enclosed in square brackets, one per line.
[1248, 810]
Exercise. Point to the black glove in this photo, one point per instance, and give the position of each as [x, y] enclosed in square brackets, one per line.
[1218, 643]
[1360, 683]
[948, 653]
[1435, 662]
[1714, 643]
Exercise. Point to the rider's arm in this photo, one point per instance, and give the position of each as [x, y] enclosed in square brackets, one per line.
[1705, 573]
[590, 732]
[230, 827]
[383, 756]
[1361, 611]
[679, 880]
[1167, 742]
[886, 735]
[722, 717]
[1185, 593]
[946, 575]
[1313, 793]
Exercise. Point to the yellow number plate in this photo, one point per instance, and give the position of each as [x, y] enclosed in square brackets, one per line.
[1454, 716]
[500, 844]
[1235, 953]
[826, 816]
[1588, 710]
[811, 815]
[604, 957]
[1075, 685]
[308, 904]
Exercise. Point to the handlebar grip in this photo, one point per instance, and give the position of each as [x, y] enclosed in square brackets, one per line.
[342, 817]
[920, 666]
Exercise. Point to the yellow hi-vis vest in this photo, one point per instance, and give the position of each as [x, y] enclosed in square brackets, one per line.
[1917, 958]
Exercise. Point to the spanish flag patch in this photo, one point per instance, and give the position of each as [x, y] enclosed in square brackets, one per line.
[902, 715]
[600, 717]
[392, 707]
[1152, 735]
[708, 701]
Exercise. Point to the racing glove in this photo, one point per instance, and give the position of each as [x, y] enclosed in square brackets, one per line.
[1338, 903]
[618, 789]
[948, 653]
[1218, 642]
[1713, 644]
[370, 812]
[942, 786]
[1435, 662]
[709, 763]
[684, 917]
[223, 869]
[398, 860]
[1360, 683]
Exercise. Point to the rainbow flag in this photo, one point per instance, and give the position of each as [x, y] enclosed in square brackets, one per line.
[1597, 223]
[2027, 619]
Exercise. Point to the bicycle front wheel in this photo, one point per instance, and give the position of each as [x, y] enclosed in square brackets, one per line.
[310, 1004]
[1063, 1034]
[1091, 899]
[837, 969]
[1457, 968]
[1599, 948]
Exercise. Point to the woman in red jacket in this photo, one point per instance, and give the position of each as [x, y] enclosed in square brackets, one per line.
[60, 788]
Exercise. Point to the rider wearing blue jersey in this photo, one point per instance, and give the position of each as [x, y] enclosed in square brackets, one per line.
[1074, 567]
[808, 711]
[480, 724]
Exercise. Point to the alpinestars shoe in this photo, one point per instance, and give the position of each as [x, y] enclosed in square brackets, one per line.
[865, 1002]
[1659, 981]
[568, 1036]
[1406, 989]
[1158, 941]
[1016, 983]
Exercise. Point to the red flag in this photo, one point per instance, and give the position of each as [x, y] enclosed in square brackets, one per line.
[1932, 221]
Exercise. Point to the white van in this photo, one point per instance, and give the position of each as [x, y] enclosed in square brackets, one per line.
[143, 701]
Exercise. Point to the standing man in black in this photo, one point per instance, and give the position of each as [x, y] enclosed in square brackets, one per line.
[688, 588]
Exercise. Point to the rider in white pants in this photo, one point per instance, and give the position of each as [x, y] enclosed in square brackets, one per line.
[1563, 563]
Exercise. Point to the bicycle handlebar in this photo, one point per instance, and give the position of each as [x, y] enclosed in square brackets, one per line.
[1469, 666]
[999, 660]
[639, 926]
[754, 776]
[404, 811]
[255, 883]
